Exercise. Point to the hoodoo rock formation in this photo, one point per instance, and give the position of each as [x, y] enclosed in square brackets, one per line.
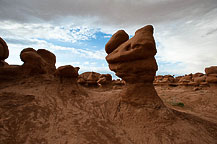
[133, 61]
[4, 52]
[37, 62]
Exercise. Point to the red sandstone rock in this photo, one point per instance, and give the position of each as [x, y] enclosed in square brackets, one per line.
[211, 70]
[197, 75]
[33, 63]
[168, 79]
[4, 52]
[50, 59]
[104, 79]
[66, 71]
[27, 50]
[88, 78]
[134, 62]
[117, 39]
[41, 61]
[200, 79]
[186, 79]
[211, 78]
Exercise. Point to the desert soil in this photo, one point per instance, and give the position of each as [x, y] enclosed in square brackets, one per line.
[42, 110]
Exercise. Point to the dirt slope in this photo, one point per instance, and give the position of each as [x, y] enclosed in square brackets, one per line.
[43, 110]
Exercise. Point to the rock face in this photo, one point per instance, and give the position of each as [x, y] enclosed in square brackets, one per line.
[133, 61]
[50, 59]
[67, 71]
[185, 80]
[211, 73]
[117, 39]
[104, 79]
[37, 62]
[88, 78]
[4, 52]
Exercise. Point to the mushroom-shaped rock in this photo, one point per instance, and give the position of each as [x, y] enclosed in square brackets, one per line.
[46, 60]
[4, 52]
[134, 62]
[67, 71]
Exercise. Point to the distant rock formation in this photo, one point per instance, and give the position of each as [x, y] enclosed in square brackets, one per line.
[133, 61]
[211, 73]
[37, 62]
[88, 78]
[67, 71]
[104, 79]
[4, 52]
[164, 79]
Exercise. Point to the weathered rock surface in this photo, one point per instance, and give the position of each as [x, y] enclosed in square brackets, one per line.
[67, 71]
[88, 78]
[10, 72]
[33, 63]
[211, 70]
[116, 40]
[134, 62]
[37, 62]
[104, 79]
[4, 52]
[211, 73]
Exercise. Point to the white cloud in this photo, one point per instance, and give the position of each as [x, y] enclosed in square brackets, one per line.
[189, 45]
[28, 31]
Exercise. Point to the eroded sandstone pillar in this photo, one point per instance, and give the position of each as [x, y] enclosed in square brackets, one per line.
[133, 60]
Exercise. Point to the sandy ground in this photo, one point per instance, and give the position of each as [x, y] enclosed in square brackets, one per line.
[43, 110]
[201, 102]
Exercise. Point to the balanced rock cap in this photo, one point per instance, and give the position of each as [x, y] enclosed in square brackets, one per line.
[133, 60]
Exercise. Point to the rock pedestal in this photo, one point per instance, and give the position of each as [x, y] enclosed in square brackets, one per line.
[133, 61]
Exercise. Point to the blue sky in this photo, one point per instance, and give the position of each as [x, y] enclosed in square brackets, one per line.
[77, 31]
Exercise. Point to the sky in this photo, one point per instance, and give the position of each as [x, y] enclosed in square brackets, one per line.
[76, 31]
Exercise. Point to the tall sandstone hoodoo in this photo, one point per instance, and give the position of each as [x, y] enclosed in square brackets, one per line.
[133, 61]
